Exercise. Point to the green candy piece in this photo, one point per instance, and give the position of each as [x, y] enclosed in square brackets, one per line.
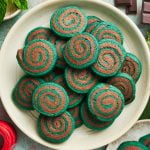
[145, 140]
[125, 84]
[92, 19]
[50, 99]
[110, 58]
[41, 33]
[80, 81]
[74, 98]
[22, 93]
[132, 66]
[37, 58]
[91, 121]
[129, 145]
[56, 129]
[60, 45]
[81, 51]
[75, 112]
[105, 102]
[68, 21]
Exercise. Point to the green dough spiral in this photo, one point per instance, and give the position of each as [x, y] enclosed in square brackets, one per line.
[105, 102]
[22, 93]
[50, 99]
[56, 129]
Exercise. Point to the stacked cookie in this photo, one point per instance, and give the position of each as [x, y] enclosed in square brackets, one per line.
[77, 72]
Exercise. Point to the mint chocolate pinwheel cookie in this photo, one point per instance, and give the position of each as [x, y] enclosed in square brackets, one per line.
[132, 66]
[92, 19]
[80, 81]
[125, 84]
[50, 99]
[145, 140]
[74, 98]
[132, 145]
[22, 93]
[68, 21]
[37, 58]
[56, 129]
[75, 112]
[91, 121]
[105, 102]
[41, 33]
[81, 51]
[60, 45]
[110, 58]
[110, 31]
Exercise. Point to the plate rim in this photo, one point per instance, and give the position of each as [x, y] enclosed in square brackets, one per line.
[112, 8]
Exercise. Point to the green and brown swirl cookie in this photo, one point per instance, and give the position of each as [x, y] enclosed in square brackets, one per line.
[56, 129]
[50, 99]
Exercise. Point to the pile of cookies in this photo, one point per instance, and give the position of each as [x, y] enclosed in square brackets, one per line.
[77, 72]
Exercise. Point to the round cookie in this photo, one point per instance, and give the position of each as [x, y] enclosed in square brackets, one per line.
[60, 45]
[145, 140]
[95, 27]
[80, 81]
[41, 33]
[132, 66]
[74, 98]
[104, 31]
[125, 84]
[22, 93]
[131, 145]
[91, 121]
[56, 129]
[81, 51]
[92, 19]
[50, 99]
[75, 112]
[91, 27]
[110, 58]
[68, 21]
[49, 77]
[105, 102]
[37, 58]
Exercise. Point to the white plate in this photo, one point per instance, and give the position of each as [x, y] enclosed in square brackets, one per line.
[140, 129]
[82, 138]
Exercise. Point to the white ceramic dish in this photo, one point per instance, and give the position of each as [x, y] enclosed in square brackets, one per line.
[141, 128]
[82, 138]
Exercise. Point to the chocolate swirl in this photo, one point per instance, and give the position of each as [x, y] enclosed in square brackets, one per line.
[125, 84]
[132, 66]
[22, 93]
[91, 121]
[75, 112]
[110, 59]
[74, 98]
[37, 58]
[56, 129]
[81, 51]
[105, 102]
[80, 81]
[50, 99]
[68, 21]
